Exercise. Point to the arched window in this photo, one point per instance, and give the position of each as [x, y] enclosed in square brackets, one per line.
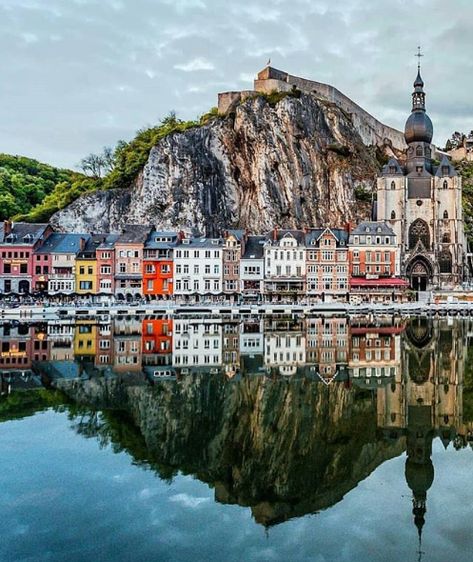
[446, 238]
[445, 214]
[419, 230]
[393, 215]
[445, 184]
[419, 151]
[393, 185]
[445, 261]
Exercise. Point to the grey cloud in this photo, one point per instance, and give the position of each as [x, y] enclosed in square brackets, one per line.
[80, 74]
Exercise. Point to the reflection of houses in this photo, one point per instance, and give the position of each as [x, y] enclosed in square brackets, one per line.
[157, 341]
[231, 347]
[104, 334]
[327, 346]
[85, 336]
[61, 340]
[16, 346]
[127, 344]
[197, 343]
[251, 346]
[375, 352]
[284, 346]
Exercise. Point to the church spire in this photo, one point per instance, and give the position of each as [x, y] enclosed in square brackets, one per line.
[418, 96]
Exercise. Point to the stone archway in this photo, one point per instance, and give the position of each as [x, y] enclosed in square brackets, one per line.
[419, 272]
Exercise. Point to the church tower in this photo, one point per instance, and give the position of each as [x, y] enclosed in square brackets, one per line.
[420, 199]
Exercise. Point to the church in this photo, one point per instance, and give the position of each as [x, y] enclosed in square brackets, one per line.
[421, 199]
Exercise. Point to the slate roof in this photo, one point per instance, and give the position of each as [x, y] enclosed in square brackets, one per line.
[91, 246]
[371, 227]
[61, 243]
[392, 163]
[134, 234]
[108, 242]
[312, 237]
[152, 244]
[22, 229]
[201, 242]
[445, 162]
[279, 234]
[254, 247]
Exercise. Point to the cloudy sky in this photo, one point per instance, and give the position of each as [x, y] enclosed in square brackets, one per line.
[76, 75]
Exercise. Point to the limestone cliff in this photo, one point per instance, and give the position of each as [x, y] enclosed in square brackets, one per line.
[293, 163]
[283, 448]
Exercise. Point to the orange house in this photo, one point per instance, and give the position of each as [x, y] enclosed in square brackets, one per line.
[158, 264]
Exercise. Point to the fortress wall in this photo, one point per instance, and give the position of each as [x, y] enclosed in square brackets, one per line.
[371, 130]
[229, 100]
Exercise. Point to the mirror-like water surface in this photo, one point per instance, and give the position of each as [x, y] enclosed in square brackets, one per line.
[219, 439]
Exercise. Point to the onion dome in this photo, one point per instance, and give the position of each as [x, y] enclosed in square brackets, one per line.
[418, 128]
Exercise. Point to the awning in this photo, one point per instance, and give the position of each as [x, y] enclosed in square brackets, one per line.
[394, 282]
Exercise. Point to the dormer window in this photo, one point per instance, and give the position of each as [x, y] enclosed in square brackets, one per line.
[367, 229]
[419, 169]
[27, 238]
[445, 170]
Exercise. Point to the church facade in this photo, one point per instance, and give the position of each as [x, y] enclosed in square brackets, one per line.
[422, 202]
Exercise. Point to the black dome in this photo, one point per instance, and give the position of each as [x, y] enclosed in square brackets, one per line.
[418, 128]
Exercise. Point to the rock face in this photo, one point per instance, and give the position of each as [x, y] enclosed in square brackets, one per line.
[284, 449]
[292, 164]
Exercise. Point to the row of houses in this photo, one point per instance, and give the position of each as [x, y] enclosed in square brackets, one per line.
[141, 261]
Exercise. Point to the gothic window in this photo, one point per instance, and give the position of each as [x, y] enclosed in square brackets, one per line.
[446, 238]
[419, 151]
[419, 169]
[393, 215]
[419, 230]
[393, 185]
[445, 261]
[445, 184]
[445, 214]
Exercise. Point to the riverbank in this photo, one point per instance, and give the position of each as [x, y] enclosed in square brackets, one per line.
[28, 312]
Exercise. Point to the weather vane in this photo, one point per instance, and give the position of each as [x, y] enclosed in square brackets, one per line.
[418, 55]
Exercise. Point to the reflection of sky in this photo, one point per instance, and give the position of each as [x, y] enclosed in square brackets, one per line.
[62, 498]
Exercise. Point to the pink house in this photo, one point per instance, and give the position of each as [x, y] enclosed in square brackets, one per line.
[18, 241]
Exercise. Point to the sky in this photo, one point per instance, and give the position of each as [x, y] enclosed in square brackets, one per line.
[78, 75]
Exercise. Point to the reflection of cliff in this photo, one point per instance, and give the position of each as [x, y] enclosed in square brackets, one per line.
[282, 448]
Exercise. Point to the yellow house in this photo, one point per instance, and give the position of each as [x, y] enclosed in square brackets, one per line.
[86, 267]
[85, 337]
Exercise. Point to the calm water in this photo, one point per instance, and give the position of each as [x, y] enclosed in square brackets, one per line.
[263, 439]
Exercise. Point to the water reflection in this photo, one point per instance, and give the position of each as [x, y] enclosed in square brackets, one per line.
[283, 415]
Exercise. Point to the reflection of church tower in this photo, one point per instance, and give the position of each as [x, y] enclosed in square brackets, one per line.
[419, 468]
[422, 204]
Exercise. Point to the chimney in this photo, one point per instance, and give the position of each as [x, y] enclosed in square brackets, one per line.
[7, 227]
[275, 233]
[180, 235]
[348, 227]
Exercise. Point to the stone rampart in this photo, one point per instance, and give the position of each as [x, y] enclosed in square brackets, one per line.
[372, 131]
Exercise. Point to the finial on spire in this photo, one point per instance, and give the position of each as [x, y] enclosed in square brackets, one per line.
[419, 55]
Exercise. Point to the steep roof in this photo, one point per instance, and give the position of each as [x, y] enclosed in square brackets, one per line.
[155, 240]
[254, 247]
[134, 234]
[21, 229]
[445, 168]
[278, 234]
[372, 227]
[392, 168]
[62, 243]
[91, 246]
[312, 237]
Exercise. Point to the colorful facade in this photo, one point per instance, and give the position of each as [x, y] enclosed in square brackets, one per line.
[158, 264]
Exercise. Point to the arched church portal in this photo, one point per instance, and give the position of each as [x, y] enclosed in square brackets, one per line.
[419, 272]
